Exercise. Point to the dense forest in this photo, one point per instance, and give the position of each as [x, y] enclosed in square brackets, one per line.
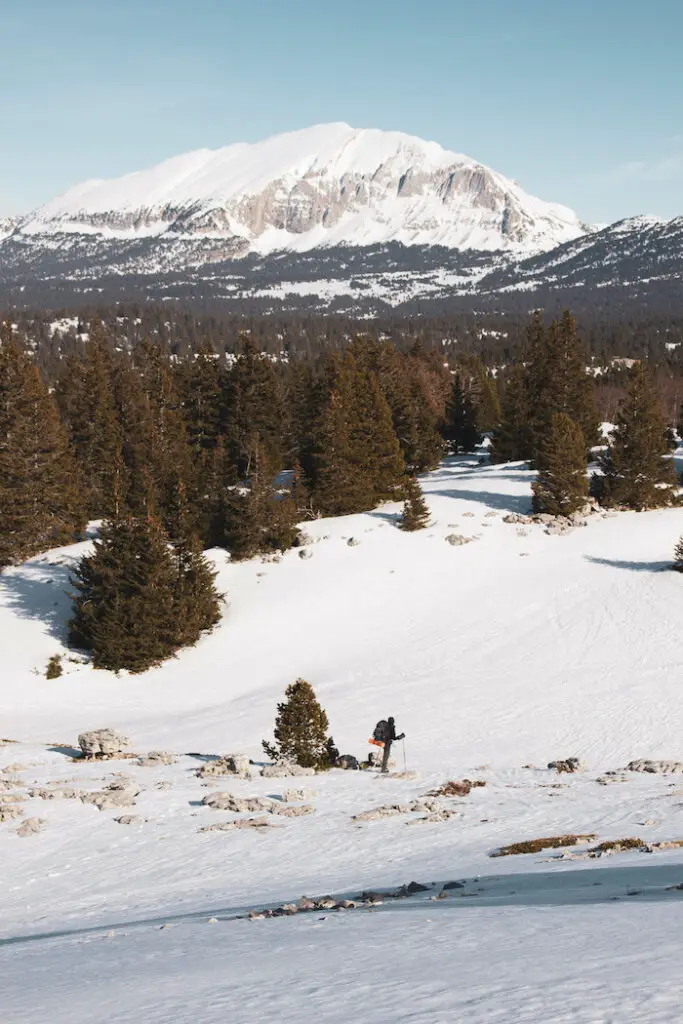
[182, 435]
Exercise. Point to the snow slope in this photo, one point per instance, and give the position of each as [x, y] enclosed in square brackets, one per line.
[494, 657]
[325, 185]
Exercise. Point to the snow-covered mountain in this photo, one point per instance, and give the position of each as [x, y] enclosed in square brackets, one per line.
[325, 185]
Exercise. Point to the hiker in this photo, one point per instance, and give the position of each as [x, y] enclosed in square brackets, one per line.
[384, 735]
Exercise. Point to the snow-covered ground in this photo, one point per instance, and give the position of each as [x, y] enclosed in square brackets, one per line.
[495, 657]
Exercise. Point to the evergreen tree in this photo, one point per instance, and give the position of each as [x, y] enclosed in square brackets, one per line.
[300, 729]
[85, 393]
[636, 472]
[40, 503]
[461, 429]
[415, 514]
[258, 516]
[562, 484]
[197, 602]
[125, 605]
[512, 440]
[678, 556]
[256, 415]
[557, 380]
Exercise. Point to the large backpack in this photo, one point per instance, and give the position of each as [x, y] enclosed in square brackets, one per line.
[381, 731]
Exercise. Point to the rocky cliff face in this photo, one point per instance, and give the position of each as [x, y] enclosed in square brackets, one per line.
[328, 185]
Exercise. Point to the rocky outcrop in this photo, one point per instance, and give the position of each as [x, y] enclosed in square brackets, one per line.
[120, 793]
[656, 767]
[102, 743]
[31, 827]
[229, 764]
[283, 769]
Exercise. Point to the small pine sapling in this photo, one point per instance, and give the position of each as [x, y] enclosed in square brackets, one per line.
[415, 515]
[300, 729]
[54, 667]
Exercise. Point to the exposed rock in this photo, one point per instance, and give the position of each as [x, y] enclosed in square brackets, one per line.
[353, 542]
[491, 515]
[468, 515]
[9, 783]
[457, 539]
[443, 814]
[102, 743]
[305, 553]
[289, 796]
[387, 811]
[164, 785]
[117, 794]
[240, 805]
[130, 819]
[348, 762]
[516, 519]
[569, 765]
[283, 769]
[31, 826]
[8, 812]
[292, 810]
[558, 526]
[228, 764]
[413, 887]
[58, 793]
[239, 823]
[454, 885]
[656, 767]
[156, 758]
[544, 518]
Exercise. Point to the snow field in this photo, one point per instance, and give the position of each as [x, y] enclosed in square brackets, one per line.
[511, 651]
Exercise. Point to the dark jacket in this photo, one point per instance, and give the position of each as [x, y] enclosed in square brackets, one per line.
[391, 733]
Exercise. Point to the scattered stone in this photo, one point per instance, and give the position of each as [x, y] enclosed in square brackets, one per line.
[468, 515]
[443, 814]
[9, 783]
[13, 798]
[292, 796]
[457, 539]
[156, 758]
[441, 896]
[454, 885]
[164, 785]
[117, 794]
[516, 519]
[353, 542]
[656, 767]
[8, 812]
[130, 819]
[254, 915]
[569, 765]
[609, 777]
[558, 526]
[238, 824]
[305, 553]
[283, 769]
[31, 826]
[58, 793]
[413, 887]
[228, 764]
[388, 811]
[491, 515]
[292, 810]
[102, 743]
[240, 805]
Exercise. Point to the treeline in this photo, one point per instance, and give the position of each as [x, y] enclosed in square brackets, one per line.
[180, 453]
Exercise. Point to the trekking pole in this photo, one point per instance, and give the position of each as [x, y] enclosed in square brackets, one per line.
[404, 756]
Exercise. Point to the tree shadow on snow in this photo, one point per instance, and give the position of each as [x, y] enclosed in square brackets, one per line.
[33, 594]
[519, 504]
[617, 563]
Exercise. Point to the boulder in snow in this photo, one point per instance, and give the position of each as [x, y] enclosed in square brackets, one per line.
[283, 769]
[229, 764]
[31, 827]
[656, 767]
[102, 743]
[457, 539]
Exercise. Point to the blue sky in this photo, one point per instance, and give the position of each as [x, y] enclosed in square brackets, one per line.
[579, 100]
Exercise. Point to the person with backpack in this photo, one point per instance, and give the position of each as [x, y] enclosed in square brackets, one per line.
[384, 735]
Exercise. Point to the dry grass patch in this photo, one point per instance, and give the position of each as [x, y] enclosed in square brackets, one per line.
[457, 788]
[619, 845]
[547, 843]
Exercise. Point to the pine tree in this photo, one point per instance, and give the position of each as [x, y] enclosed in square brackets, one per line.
[300, 729]
[256, 415]
[415, 514]
[40, 503]
[637, 472]
[197, 601]
[512, 440]
[258, 516]
[562, 484]
[461, 429]
[85, 393]
[678, 556]
[125, 605]
[557, 380]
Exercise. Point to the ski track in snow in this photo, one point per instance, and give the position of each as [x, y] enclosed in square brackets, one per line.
[507, 652]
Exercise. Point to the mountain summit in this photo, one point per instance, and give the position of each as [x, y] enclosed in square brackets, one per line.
[325, 185]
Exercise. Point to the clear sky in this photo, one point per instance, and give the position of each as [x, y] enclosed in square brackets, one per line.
[580, 100]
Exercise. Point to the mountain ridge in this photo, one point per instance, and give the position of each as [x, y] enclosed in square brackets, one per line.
[326, 185]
